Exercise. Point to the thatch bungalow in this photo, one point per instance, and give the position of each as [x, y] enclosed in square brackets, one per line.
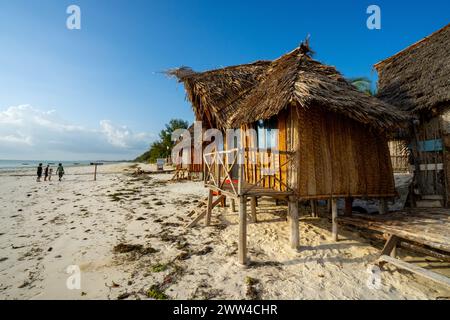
[331, 138]
[417, 81]
[186, 164]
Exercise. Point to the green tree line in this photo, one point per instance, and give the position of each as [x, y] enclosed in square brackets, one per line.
[163, 146]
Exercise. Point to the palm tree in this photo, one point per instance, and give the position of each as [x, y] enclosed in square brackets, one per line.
[363, 84]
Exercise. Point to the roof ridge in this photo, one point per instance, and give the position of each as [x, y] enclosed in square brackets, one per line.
[414, 45]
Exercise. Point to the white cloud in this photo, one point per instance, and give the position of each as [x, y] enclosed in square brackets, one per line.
[28, 132]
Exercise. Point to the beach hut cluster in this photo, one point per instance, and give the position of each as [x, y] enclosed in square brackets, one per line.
[331, 139]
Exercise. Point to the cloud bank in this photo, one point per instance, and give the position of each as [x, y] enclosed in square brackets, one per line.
[30, 133]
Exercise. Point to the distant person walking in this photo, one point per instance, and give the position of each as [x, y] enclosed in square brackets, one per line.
[50, 172]
[39, 172]
[60, 171]
[46, 172]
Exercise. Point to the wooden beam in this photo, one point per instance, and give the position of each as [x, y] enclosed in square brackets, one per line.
[390, 245]
[209, 207]
[253, 207]
[439, 278]
[242, 245]
[197, 219]
[204, 212]
[293, 222]
[334, 215]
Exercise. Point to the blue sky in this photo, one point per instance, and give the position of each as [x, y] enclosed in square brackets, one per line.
[98, 92]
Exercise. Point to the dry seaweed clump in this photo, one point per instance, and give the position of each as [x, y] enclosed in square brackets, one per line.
[127, 248]
[253, 292]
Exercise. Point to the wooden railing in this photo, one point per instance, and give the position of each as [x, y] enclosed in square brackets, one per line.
[241, 170]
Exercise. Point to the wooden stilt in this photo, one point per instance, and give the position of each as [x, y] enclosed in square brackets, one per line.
[382, 206]
[314, 212]
[209, 208]
[233, 205]
[293, 222]
[253, 207]
[329, 205]
[348, 206]
[224, 202]
[242, 246]
[334, 219]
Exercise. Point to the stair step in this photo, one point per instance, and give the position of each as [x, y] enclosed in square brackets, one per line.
[432, 197]
[428, 204]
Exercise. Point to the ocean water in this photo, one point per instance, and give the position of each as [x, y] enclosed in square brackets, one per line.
[6, 165]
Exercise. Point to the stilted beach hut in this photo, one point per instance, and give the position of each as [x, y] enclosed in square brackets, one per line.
[187, 166]
[417, 81]
[330, 139]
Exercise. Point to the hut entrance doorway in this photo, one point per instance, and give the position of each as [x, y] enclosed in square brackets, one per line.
[428, 158]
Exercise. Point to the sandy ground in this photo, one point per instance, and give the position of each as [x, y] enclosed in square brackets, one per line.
[126, 235]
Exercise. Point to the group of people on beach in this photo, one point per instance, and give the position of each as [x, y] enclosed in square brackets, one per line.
[48, 172]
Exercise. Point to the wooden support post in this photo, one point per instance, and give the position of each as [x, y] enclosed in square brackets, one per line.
[95, 172]
[224, 202]
[242, 246]
[209, 208]
[314, 211]
[382, 206]
[293, 222]
[390, 245]
[334, 217]
[348, 206]
[253, 207]
[233, 205]
[329, 205]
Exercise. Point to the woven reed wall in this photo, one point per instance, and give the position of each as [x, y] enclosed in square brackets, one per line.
[340, 157]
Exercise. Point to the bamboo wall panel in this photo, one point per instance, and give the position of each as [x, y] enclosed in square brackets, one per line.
[341, 157]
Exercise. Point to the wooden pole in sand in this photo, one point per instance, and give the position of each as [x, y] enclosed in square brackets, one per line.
[242, 246]
[334, 219]
[253, 207]
[209, 208]
[314, 212]
[95, 164]
[348, 206]
[293, 222]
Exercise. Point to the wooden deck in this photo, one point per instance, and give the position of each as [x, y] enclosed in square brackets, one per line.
[249, 190]
[427, 226]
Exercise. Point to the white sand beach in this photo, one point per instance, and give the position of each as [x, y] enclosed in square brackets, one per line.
[46, 227]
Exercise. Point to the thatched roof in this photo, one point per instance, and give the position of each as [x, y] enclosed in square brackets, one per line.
[244, 94]
[418, 78]
[212, 91]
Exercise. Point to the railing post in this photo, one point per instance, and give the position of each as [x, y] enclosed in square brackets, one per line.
[241, 172]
